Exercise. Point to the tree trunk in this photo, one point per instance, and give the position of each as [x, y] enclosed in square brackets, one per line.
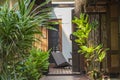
[80, 7]
[78, 60]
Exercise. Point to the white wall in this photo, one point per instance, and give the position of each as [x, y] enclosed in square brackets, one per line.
[66, 15]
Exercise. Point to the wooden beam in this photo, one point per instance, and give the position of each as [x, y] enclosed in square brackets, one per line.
[101, 3]
[96, 9]
[97, 2]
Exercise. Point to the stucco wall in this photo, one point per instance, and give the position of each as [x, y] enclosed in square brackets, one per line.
[66, 15]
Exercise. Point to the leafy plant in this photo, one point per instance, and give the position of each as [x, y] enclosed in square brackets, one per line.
[35, 65]
[18, 25]
[94, 54]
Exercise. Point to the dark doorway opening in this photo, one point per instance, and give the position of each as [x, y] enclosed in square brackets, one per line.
[53, 40]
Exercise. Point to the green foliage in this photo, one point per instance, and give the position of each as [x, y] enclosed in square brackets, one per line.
[94, 54]
[83, 29]
[18, 25]
[97, 53]
[36, 64]
[33, 67]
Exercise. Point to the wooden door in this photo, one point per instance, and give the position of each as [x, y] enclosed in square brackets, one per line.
[114, 38]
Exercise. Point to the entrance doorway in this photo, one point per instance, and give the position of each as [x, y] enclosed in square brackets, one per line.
[58, 64]
[55, 39]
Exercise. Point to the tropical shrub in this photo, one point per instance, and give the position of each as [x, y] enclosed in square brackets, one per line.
[94, 54]
[36, 64]
[18, 25]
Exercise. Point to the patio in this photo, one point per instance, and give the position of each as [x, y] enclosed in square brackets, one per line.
[67, 74]
[64, 73]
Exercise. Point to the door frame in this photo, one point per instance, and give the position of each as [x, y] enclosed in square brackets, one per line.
[111, 52]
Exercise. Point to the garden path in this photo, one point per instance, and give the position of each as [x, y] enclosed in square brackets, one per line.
[73, 77]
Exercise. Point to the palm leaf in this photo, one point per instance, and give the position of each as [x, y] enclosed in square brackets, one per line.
[18, 26]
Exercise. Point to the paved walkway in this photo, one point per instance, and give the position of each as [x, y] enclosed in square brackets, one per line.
[74, 77]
